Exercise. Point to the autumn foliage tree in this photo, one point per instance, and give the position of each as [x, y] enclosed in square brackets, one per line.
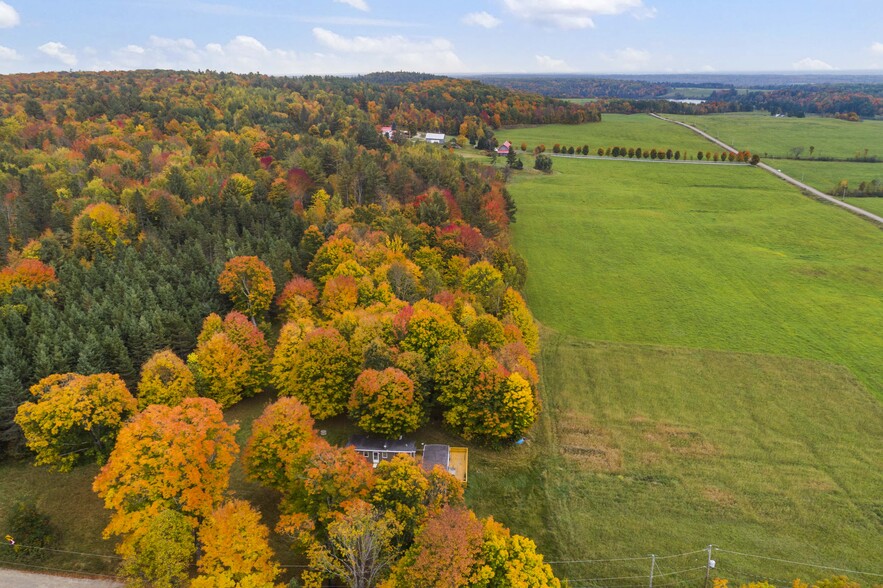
[384, 402]
[280, 444]
[231, 359]
[318, 369]
[444, 553]
[297, 298]
[510, 560]
[167, 458]
[235, 549]
[102, 226]
[75, 418]
[249, 284]
[332, 476]
[482, 399]
[165, 379]
[359, 549]
[162, 556]
[28, 274]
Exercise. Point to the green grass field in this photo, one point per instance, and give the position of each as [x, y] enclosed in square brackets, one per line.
[874, 205]
[712, 373]
[701, 256]
[825, 175]
[637, 130]
[663, 450]
[763, 134]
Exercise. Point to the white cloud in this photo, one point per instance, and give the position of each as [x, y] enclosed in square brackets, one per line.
[628, 59]
[551, 64]
[357, 4]
[8, 54]
[58, 51]
[810, 64]
[574, 14]
[877, 47]
[435, 54]
[241, 54]
[8, 16]
[481, 19]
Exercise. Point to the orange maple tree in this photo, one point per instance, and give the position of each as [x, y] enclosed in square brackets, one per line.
[30, 274]
[235, 549]
[167, 458]
[249, 283]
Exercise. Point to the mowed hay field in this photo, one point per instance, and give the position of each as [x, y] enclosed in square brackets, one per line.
[775, 137]
[712, 373]
[716, 257]
[615, 130]
[648, 449]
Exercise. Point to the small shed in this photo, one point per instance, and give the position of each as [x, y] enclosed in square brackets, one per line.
[377, 449]
[504, 148]
[454, 460]
[388, 132]
[437, 138]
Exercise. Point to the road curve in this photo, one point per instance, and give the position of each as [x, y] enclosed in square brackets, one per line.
[808, 189]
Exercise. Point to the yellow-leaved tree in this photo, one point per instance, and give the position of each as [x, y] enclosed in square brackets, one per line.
[75, 418]
[165, 379]
[235, 550]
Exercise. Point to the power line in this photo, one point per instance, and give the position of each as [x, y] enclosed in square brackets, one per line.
[681, 554]
[798, 563]
[638, 558]
[598, 560]
[679, 572]
[61, 550]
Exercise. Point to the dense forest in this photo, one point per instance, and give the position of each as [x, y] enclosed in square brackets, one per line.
[196, 168]
[175, 242]
[778, 95]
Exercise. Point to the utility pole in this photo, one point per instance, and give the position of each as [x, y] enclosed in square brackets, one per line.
[652, 567]
[708, 565]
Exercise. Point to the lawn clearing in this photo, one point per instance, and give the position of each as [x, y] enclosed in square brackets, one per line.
[712, 257]
[769, 136]
[614, 130]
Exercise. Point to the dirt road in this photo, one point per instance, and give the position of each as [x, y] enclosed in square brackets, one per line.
[18, 579]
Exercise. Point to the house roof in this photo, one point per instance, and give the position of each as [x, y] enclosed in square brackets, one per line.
[370, 443]
[435, 136]
[434, 455]
[507, 144]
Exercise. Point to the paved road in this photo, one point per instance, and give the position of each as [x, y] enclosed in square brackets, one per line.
[17, 579]
[809, 189]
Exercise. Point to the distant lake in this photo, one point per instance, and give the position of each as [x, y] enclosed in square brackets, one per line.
[685, 100]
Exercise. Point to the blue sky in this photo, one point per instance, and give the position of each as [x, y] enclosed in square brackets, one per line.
[446, 36]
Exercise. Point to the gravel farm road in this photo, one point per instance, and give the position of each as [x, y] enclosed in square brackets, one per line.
[17, 579]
